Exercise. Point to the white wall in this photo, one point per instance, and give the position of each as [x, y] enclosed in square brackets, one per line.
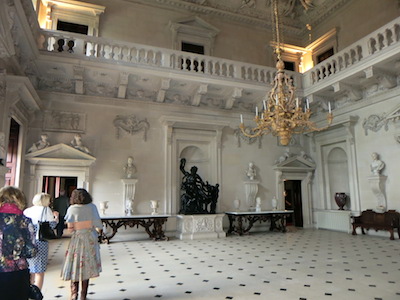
[149, 156]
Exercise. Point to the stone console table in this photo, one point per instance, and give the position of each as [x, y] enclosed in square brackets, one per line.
[153, 224]
[241, 222]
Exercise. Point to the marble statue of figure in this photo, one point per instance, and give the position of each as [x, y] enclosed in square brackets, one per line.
[77, 143]
[376, 164]
[43, 143]
[284, 157]
[129, 168]
[304, 155]
[251, 171]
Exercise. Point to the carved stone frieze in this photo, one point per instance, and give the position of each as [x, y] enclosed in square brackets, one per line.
[100, 89]
[203, 224]
[177, 99]
[140, 94]
[212, 102]
[198, 226]
[64, 121]
[56, 85]
[7, 15]
[131, 125]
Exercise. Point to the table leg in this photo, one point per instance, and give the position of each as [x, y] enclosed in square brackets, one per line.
[231, 221]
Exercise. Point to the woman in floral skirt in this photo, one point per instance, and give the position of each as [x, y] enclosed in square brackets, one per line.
[82, 259]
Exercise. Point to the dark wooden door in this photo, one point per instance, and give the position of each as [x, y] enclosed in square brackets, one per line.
[12, 153]
[293, 202]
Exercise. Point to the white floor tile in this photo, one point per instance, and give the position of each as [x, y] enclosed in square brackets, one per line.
[300, 264]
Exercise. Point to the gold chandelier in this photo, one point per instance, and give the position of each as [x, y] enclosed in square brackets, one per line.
[282, 115]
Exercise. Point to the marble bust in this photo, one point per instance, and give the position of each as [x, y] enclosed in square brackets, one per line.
[43, 143]
[251, 171]
[376, 164]
[129, 168]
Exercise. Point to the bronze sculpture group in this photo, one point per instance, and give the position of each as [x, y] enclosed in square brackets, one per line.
[198, 197]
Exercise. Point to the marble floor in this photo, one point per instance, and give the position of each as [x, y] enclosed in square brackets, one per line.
[302, 264]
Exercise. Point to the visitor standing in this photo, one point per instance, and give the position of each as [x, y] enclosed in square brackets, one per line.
[16, 245]
[61, 205]
[82, 258]
[40, 211]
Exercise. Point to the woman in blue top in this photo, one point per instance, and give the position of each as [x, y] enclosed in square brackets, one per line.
[82, 259]
[40, 211]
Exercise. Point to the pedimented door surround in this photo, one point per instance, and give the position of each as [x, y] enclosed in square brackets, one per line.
[59, 160]
[296, 168]
[182, 133]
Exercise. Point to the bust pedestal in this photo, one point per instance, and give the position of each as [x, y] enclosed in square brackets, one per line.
[251, 190]
[129, 195]
[205, 226]
[377, 184]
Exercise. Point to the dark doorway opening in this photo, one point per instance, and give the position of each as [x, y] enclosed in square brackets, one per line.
[290, 65]
[193, 48]
[53, 184]
[12, 153]
[293, 202]
[72, 27]
[195, 65]
[325, 55]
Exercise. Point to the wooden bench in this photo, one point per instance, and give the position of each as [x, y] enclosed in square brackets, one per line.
[368, 219]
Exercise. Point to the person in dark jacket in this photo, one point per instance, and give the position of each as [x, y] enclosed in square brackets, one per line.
[61, 205]
[16, 245]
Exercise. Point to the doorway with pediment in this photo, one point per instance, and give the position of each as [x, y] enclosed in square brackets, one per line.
[59, 166]
[293, 185]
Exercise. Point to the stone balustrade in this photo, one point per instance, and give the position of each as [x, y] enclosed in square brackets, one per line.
[111, 50]
[374, 43]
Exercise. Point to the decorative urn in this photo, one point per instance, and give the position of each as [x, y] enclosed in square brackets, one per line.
[340, 199]
[154, 207]
[103, 207]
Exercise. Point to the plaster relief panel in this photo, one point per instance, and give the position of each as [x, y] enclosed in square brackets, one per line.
[64, 121]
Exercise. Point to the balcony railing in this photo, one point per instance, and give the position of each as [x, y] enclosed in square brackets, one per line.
[375, 43]
[107, 50]
[130, 53]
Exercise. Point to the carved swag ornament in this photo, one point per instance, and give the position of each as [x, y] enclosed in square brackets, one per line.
[131, 125]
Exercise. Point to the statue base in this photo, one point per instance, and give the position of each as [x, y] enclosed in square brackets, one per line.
[205, 226]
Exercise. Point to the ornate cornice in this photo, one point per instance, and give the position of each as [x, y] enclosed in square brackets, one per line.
[294, 25]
